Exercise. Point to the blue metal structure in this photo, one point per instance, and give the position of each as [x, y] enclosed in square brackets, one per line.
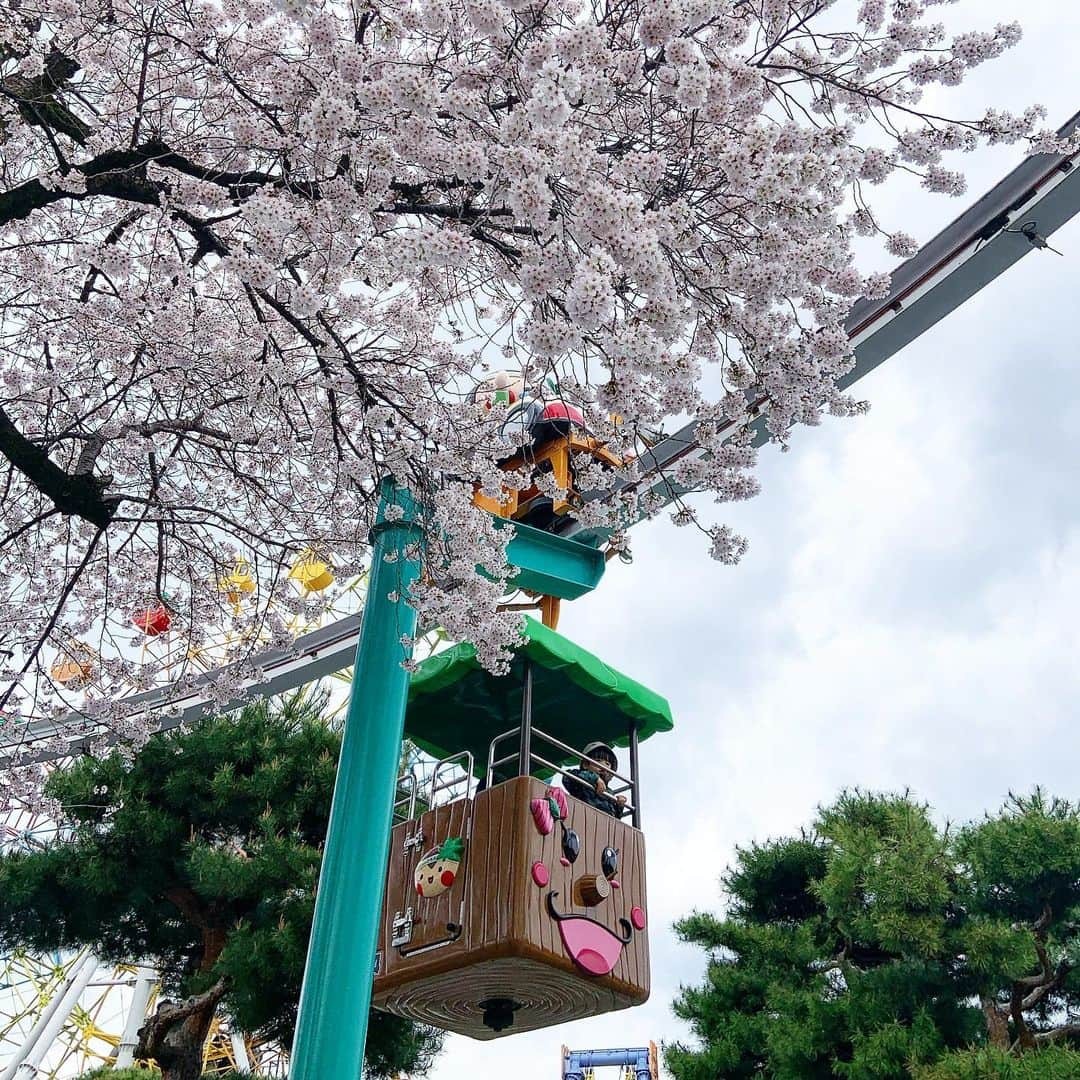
[642, 1060]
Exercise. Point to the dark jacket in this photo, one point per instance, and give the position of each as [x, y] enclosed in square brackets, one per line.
[581, 783]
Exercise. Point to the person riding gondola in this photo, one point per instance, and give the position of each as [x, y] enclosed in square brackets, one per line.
[589, 781]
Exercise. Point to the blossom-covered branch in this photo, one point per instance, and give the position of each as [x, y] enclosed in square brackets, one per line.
[255, 255]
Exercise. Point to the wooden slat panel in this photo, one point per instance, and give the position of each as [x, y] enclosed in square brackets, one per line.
[481, 914]
[434, 915]
[511, 945]
[397, 865]
[500, 882]
[596, 831]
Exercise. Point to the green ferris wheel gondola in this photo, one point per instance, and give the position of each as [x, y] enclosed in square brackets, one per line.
[520, 902]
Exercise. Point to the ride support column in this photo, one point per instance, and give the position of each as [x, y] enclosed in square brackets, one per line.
[331, 1026]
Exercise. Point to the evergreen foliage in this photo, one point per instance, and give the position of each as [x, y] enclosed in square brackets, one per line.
[1051, 1063]
[873, 945]
[200, 855]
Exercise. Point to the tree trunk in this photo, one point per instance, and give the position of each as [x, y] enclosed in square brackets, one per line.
[175, 1035]
[997, 1024]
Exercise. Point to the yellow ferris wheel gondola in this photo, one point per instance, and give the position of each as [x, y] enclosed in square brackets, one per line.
[238, 584]
[311, 573]
[73, 667]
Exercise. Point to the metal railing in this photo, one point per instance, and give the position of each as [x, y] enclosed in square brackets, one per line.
[405, 795]
[452, 786]
[459, 784]
[627, 784]
[452, 777]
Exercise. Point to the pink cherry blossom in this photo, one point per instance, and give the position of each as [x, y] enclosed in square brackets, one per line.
[256, 254]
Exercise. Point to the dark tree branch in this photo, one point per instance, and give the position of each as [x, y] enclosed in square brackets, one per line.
[117, 173]
[121, 174]
[38, 99]
[78, 494]
[1047, 987]
[1055, 1034]
[1024, 1039]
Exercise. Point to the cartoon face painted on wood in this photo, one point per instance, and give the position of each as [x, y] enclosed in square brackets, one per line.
[543, 924]
[583, 891]
[439, 868]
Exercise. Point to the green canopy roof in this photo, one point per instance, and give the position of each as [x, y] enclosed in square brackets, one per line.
[455, 705]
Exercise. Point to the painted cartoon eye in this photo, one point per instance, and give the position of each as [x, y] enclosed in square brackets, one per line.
[571, 845]
[609, 862]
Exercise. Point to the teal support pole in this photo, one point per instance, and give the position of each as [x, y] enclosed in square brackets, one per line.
[331, 1026]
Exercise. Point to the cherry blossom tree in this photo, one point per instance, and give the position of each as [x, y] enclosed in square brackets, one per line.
[256, 254]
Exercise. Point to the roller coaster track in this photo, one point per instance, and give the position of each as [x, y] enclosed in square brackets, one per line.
[1012, 219]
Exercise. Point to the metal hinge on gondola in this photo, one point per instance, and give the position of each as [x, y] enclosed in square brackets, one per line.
[401, 928]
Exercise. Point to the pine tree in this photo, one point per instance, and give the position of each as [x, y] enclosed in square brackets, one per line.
[200, 855]
[878, 946]
[1049, 1063]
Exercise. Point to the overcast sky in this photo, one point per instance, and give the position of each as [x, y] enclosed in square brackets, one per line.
[906, 614]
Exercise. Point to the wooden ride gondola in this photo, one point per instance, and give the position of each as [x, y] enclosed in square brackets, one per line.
[511, 905]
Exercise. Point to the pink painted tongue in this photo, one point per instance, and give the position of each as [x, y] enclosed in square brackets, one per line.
[592, 946]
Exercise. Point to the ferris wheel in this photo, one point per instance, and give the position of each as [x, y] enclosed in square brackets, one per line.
[64, 1014]
[86, 1013]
